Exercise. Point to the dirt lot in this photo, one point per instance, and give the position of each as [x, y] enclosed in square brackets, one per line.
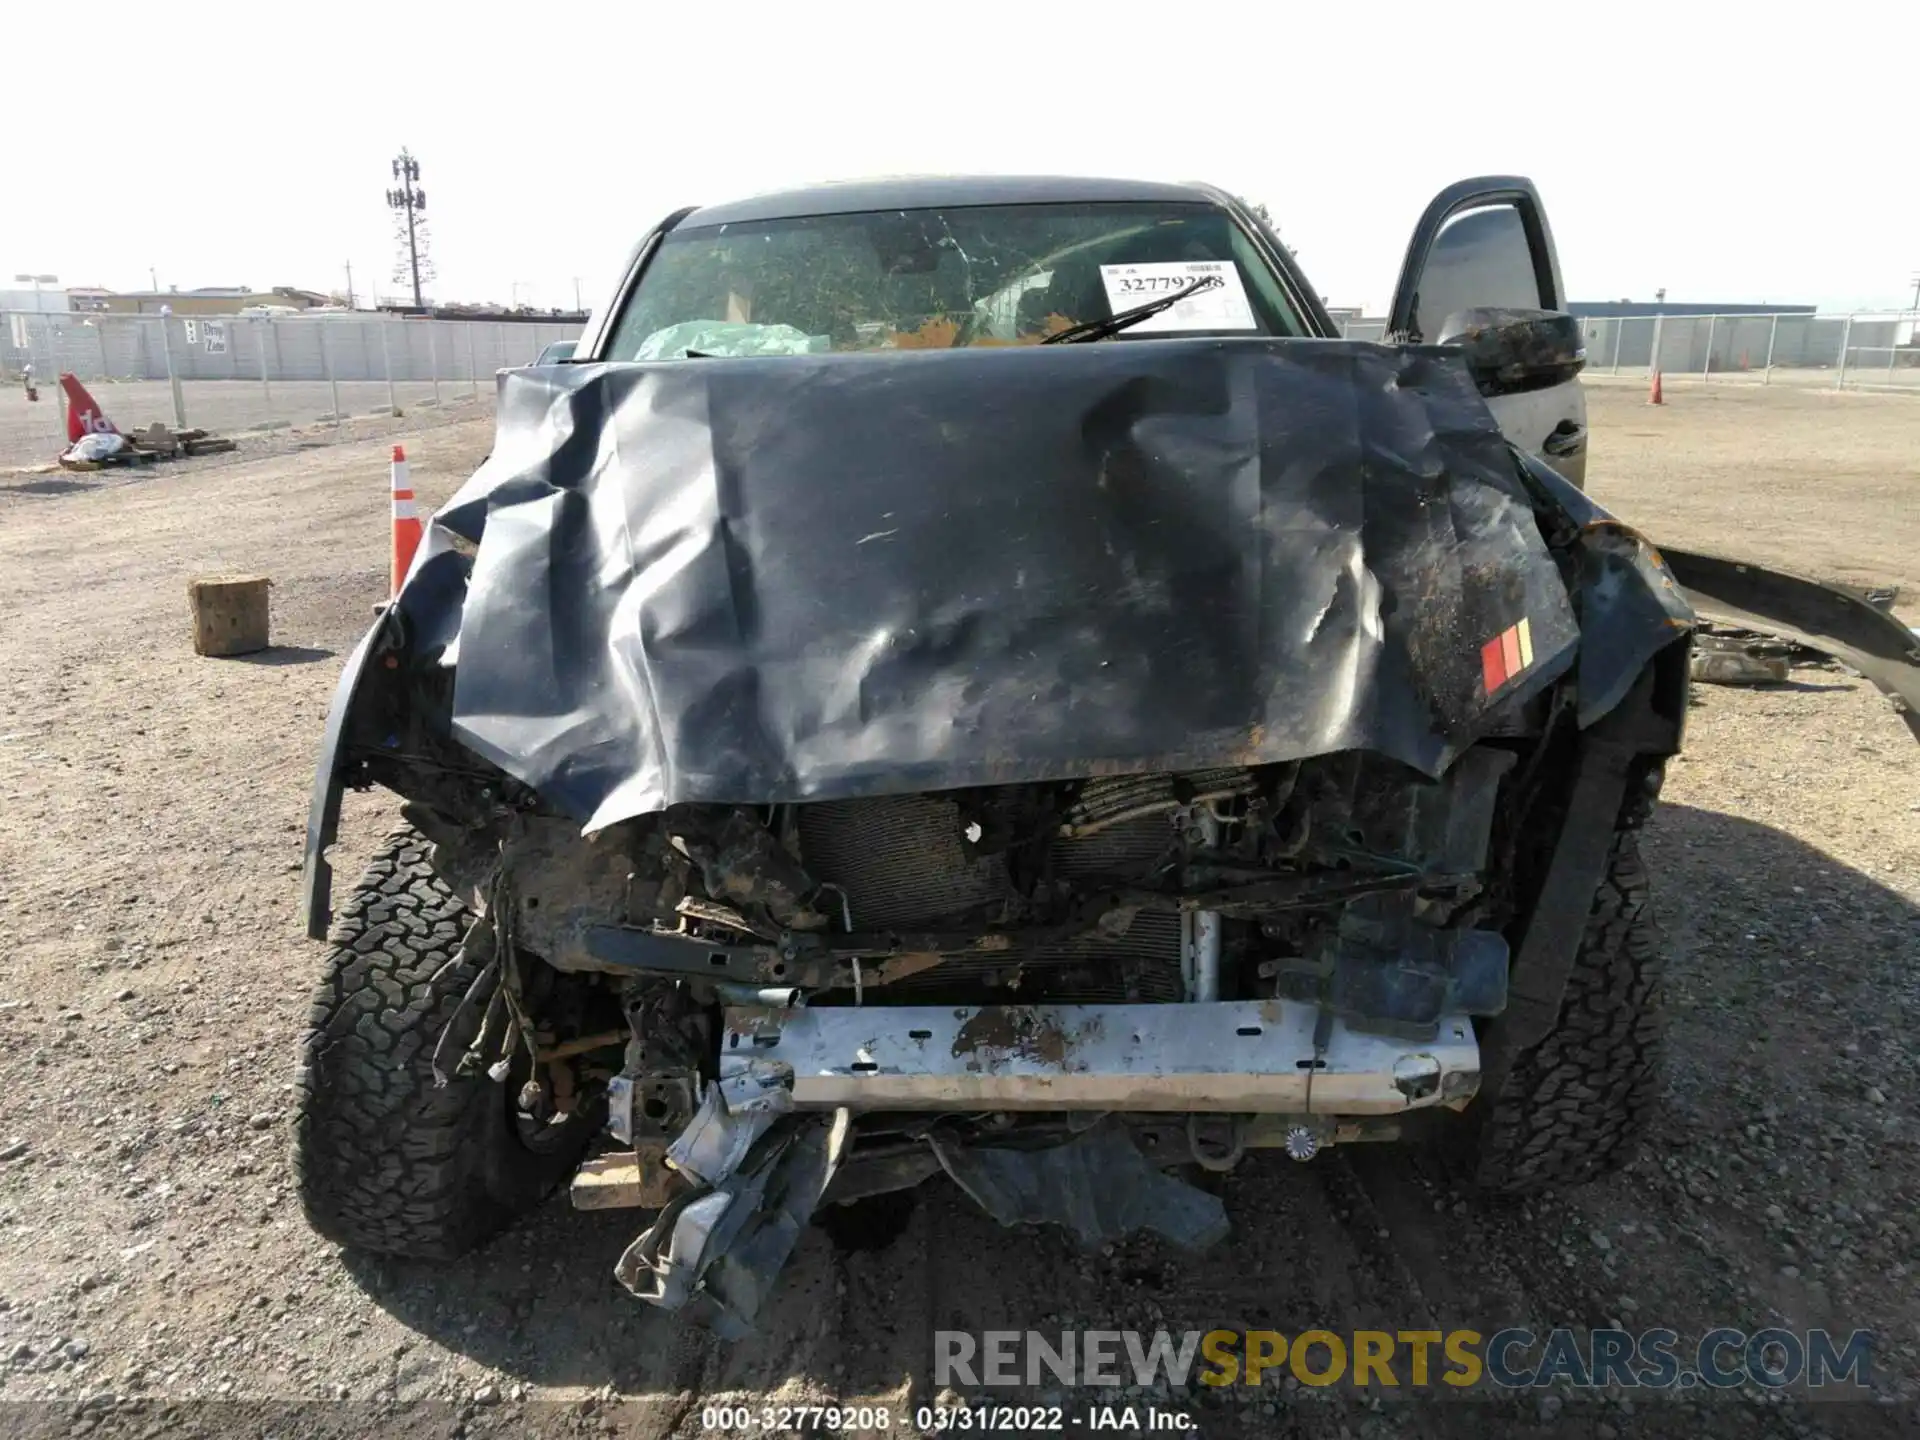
[154, 986]
[1817, 481]
[34, 433]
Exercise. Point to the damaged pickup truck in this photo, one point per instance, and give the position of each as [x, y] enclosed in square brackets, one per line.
[975, 677]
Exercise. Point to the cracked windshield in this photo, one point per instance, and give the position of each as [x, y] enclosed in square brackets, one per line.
[938, 279]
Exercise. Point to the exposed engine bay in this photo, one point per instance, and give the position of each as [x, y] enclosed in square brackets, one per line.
[1182, 966]
[1220, 884]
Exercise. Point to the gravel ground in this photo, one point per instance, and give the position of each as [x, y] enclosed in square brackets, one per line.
[156, 1275]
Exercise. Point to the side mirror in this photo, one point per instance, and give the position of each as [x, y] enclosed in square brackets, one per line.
[1511, 351]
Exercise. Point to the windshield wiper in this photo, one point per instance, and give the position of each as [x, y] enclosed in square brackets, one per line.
[1114, 324]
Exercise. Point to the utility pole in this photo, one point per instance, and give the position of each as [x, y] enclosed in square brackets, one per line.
[578, 306]
[349, 285]
[409, 205]
[1916, 292]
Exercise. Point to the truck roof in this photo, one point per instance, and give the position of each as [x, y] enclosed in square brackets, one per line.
[921, 192]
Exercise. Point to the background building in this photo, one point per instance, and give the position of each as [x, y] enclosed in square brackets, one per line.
[205, 300]
[20, 298]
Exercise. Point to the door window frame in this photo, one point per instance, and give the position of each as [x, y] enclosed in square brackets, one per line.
[1481, 193]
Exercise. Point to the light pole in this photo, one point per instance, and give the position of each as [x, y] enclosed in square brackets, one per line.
[37, 281]
[173, 375]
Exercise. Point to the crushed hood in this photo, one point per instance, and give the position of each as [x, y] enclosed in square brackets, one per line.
[817, 576]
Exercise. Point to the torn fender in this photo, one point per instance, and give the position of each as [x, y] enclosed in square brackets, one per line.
[323, 812]
[1828, 618]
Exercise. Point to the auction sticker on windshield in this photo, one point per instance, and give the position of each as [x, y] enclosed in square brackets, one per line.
[1222, 306]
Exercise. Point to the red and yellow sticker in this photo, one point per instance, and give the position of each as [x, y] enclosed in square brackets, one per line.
[1506, 655]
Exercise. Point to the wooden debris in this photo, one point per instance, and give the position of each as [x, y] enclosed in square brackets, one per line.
[157, 442]
[156, 439]
[626, 1179]
[230, 614]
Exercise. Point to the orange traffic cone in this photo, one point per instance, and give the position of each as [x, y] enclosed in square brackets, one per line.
[1653, 391]
[84, 415]
[406, 522]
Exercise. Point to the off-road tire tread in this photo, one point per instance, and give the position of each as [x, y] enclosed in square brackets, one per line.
[384, 1159]
[1572, 1107]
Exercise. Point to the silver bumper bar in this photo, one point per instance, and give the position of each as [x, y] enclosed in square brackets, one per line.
[1248, 1057]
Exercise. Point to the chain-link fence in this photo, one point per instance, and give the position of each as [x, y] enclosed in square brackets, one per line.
[237, 373]
[1862, 351]
[1364, 328]
[234, 373]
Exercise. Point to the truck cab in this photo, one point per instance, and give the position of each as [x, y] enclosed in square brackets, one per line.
[946, 262]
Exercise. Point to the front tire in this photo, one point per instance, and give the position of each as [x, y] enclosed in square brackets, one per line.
[385, 1159]
[1572, 1107]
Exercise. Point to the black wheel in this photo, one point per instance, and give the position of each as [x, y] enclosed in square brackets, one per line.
[385, 1159]
[1572, 1106]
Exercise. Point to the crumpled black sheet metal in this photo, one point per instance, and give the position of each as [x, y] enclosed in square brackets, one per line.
[810, 577]
[1629, 602]
[742, 1232]
[1097, 1185]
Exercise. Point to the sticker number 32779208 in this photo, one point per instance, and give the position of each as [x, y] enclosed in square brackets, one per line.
[1222, 306]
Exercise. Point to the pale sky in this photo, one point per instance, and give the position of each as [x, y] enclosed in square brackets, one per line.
[1728, 152]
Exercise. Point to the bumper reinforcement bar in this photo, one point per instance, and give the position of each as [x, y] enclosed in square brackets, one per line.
[1248, 1056]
